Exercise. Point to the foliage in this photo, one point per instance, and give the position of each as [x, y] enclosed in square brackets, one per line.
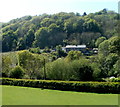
[99, 40]
[115, 45]
[46, 50]
[74, 70]
[112, 79]
[35, 50]
[9, 40]
[60, 52]
[58, 29]
[29, 38]
[31, 63]
[81, 69]
[9, 61]
[73, 55]
[117, 68]
[41, 37]
[98, 87]
[6, 65]
[17, 72]
[104, 48]
[58, 70]
[109, 56]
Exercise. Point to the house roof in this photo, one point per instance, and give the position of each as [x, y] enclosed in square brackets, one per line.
[74, 46]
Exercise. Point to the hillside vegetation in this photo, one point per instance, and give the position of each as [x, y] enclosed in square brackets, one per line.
[40, 39]
[58, 29]
[74, 66]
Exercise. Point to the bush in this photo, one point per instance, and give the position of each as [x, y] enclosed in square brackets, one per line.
[35, 50]
[74, 55]
[96, 71]
[78, 70]
[31, 63]
[112, 79]
[58, 70]
[17, 72]
[6, 65]
[82, 70]
[98, 87]
[115, 80]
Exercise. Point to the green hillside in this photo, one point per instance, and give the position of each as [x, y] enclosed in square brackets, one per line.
[58, 29]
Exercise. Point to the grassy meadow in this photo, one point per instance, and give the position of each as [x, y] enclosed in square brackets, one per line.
[14, 95]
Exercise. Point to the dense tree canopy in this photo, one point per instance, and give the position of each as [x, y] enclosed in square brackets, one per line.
[109, 56]
[58, 29]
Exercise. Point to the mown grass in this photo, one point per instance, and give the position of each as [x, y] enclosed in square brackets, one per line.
[15, 95]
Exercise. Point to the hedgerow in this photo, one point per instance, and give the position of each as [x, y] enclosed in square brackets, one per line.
[97, 87]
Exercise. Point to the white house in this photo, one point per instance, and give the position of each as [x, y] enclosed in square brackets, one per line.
[74, 47]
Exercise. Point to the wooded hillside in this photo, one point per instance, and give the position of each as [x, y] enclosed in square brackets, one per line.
[58, 29]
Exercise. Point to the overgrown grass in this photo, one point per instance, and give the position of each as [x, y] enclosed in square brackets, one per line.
[14, 95]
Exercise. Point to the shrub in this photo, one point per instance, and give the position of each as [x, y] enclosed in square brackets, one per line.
[31, 63]
[112, 79]
[74, 70]
[17, 72]
[6, 65]
[82, 70]
[117, 68]
[96, 71]
[58, 70]
[115, 80]
[4, 74]
[98, 87]
[35, 50]
[74, 55]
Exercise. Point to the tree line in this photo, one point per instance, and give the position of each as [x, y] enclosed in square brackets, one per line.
[58, 29]
[73, 66]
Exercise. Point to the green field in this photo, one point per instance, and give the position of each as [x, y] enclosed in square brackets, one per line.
[14, 95]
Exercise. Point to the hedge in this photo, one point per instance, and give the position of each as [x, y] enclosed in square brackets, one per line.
[97, 87]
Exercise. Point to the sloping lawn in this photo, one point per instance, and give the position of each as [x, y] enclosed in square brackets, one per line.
[14, 95]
